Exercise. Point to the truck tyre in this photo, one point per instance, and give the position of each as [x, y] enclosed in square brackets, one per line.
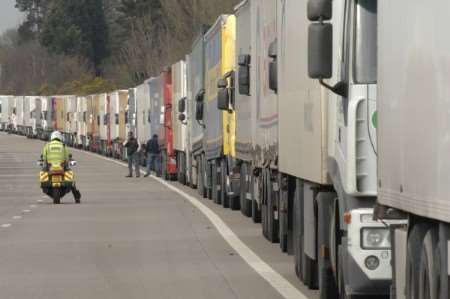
[272, 225]
[164, 172]
[297, 230]
[200, 186]
[256, 211]
[56, 195]
[326, 222]
[283, 220]
[215, 195]
[246, 204]
[414, 250]
[430, 263]
[263, 201]
[309, 272]
[223, 183]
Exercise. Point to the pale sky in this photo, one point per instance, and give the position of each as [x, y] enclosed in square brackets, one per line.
[9, 15]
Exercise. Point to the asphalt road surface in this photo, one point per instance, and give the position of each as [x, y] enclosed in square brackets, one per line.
[130, 238]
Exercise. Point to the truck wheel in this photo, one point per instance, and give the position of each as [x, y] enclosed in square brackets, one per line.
[164, 173]
[200, 187]
[309, 272]
[414, 250]
[256, 211]
[430, 262]
[223, 183]
[56, 195]
[246, 204]
[263, 203]
[326, 222]
[215, 195]
[283, 220]
[272, 225]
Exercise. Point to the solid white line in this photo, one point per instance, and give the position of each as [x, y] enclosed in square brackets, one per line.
[17, 217]
[6, 225]
[276, 280]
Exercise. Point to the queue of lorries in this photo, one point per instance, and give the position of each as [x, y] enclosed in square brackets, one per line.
[326, 121]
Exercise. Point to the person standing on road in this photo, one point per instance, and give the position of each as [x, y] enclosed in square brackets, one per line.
[153, 153]
[132, 146]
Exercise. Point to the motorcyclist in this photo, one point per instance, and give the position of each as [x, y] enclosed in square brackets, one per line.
[55, 152]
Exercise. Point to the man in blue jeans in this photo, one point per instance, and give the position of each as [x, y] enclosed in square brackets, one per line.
[153, 153]
[132, 146]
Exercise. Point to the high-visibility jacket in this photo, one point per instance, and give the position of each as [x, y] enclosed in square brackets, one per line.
[55, 152]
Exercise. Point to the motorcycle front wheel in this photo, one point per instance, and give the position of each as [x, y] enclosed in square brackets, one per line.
[56, 195]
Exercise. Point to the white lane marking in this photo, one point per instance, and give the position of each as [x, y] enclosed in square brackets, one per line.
[33, 206]
[6, 225]
[275, 279]
[39, 200]
[26, 211]
[17, 217]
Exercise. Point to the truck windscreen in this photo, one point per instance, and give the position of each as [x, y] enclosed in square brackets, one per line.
[365, 43]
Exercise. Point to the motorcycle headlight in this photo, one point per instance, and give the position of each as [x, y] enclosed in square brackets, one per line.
[375, 238]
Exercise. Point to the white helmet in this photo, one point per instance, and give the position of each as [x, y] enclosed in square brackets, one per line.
[56, 135]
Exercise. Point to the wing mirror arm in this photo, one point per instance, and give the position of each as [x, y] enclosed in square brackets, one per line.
[339, 88]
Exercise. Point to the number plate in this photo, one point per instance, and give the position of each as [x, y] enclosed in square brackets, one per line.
[56, 179]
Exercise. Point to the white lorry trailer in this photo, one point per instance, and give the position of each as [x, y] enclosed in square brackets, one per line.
[413, 142]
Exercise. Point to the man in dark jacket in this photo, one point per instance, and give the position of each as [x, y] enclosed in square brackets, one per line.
[153, 153]
[132, 146]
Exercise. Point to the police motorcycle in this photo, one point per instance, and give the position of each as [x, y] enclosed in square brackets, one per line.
[57, 179]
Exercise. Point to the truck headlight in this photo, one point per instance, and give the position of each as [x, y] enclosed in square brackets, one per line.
[375, 238]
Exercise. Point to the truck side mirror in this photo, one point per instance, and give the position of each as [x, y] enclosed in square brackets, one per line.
[181, 117]
[319, 10]
[223, 99]
[273, 67]
[244, 74]
[320, 50]
[199, 111]
[182, 105]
